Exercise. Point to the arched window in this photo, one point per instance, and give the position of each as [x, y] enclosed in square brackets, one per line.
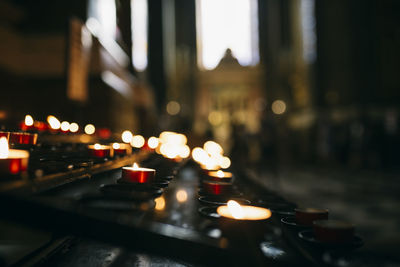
[223, 24]
[139, 34]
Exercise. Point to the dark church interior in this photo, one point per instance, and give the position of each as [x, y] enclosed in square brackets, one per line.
[199, 133]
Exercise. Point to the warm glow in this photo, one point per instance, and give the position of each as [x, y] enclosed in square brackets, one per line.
[138, 141]
[173, 138]
[4, 151]
[160, 203]
[28, 120]
[278, 107]
[153, 142]
[220, 174]
[127, 136]
[90, 129]
[116, 146]
[135, 166]
[53, 122]
[170, 151]
[213, 148]
[65, 126]
[235, 209]
[73, 127]
[97, 146]
[181, 195]
[225, 163]
[173, 108]
[199, 155]
[184, 151]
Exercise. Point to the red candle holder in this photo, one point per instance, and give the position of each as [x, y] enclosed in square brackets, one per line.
[217, 188]
[17, 138]
[100, 151]
[138, 175]
[306, 216]
[333, 231]
[16, 162]
[121, 149]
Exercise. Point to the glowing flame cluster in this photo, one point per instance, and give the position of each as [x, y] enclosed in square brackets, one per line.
[211, 156]
[173, 145]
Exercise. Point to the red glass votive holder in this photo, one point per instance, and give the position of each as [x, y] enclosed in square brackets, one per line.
[138, 175]
[333, 231]
[217, 188]
[306, 216]
[100, 151]
[18, 138]
[121, 149]
[15, 163]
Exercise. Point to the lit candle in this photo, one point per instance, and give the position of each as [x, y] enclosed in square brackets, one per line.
[135, 174]
[220, 176]
[121, 149]
[12, 161]
[217, 188]
[27, 124]
[100, 151]
[244, 226]
[234, 210]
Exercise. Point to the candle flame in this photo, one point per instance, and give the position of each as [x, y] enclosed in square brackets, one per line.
[220, 174]
[137, 141]
[28, 120]
[73, 127]
[153, 142]
[116, 146]
[65, 126]
[3, 148]
[97, 146]
[127, 136]
[181, 195]
[235, 209]
[54, 122]
[135, 166]
[90, 129]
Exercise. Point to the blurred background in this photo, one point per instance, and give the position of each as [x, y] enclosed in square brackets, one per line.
[304, 93]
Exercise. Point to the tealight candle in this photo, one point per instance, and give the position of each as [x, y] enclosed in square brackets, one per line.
[220, 176]
[244, 226]
[100, 151]
[137, 174]
[217, 188]
[121, 149]
[12, 161]
[234, 210]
